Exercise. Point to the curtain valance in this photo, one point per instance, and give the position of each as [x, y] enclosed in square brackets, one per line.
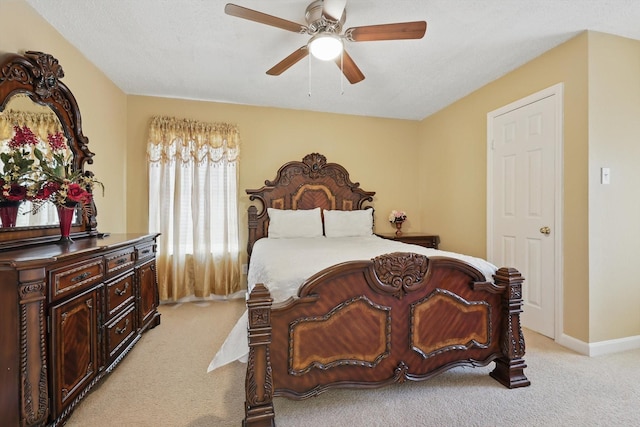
[186, 140]
[42, 124]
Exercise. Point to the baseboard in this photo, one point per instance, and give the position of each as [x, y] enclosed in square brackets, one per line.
[573, 344]
[600, 348]
[212, 297]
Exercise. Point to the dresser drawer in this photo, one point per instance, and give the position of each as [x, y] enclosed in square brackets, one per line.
[426, 241]
[120, 261]
[120, 332]
[119, 293]
[145, 251]
[76, 276]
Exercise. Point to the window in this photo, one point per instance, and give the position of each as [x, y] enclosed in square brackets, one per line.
[193, 175]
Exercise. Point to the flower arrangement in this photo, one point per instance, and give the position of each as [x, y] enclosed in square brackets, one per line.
[57, 182]
[50, 179]
[17, 165]
[43, 176]
[397, 217]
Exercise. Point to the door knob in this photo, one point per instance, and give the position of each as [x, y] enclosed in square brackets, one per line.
[545, 230]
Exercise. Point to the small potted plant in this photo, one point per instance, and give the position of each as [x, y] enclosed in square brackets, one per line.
[61, 185]
[397, 218]
[17, 164]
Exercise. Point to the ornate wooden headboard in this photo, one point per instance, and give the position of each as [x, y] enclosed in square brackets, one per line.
[308, 184]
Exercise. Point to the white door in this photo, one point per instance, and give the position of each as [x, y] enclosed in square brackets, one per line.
[524, 142]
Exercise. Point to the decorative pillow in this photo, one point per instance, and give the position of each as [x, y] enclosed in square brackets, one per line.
[348, 223]
[291, 224]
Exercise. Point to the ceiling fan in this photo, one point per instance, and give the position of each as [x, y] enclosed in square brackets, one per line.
[325, 19]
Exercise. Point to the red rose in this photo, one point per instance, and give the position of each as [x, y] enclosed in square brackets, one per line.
[76, 193]
[53, 186]
[47, 190]
[16, 192]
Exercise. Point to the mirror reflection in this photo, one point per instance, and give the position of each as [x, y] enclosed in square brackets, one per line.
[21, 111]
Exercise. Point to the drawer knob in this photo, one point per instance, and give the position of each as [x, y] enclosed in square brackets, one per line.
[80, 277]
[123, 291]
[122, 330]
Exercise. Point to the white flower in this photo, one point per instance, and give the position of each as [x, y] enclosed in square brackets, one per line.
[397, 216]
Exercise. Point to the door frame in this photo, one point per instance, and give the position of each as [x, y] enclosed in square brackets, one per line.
[557, 91]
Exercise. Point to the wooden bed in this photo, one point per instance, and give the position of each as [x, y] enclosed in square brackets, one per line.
[366, 324]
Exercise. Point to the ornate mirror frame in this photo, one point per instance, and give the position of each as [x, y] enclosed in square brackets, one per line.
[38, 75]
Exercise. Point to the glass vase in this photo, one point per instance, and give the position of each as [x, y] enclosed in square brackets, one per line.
[398, 228]
[65, 215]
[9, 213]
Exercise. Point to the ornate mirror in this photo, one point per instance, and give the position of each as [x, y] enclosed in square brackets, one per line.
[33, 97]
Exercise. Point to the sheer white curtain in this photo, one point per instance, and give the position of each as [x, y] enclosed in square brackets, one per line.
[193, 178]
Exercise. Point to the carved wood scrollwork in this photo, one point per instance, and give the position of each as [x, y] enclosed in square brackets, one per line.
[15, 72]
[510, 367]
[259, 395]
[259, 379]
[513, 344]
[47, 74]
[288, 175]
[315, 162]
[260, 317]
[401, 372]
[400, 273]
[35, 400]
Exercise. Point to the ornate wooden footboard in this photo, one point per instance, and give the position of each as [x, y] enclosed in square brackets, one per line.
[364, 324]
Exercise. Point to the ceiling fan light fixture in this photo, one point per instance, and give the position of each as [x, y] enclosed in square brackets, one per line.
[325, 46]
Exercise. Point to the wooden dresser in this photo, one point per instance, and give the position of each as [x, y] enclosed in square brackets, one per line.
[68, 315]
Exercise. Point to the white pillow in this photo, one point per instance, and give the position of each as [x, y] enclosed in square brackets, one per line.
[290, 224]
[348, 223]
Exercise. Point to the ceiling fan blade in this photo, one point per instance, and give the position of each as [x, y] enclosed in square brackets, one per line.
[263, 18]
[287, 62]
[399, 31]
[349, 68]
[333, 8]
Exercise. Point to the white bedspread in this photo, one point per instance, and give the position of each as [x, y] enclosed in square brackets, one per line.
[284, 264]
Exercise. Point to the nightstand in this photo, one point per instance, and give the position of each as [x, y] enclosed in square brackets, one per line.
[414, 239]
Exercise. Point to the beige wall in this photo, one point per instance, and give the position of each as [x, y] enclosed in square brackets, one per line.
[456, 207]
[614, 209]
[102, 104]
[270, 137]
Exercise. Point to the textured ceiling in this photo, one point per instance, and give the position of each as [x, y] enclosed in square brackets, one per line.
[191, 49]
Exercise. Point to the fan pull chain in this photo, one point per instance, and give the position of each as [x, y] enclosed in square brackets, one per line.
[309, 56]
[342, 72]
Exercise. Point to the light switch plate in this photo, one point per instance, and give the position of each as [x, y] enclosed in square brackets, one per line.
[605, 175]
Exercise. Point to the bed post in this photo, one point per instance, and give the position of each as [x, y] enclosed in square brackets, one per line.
[259, 384]
[509, 370]
[252, 213]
